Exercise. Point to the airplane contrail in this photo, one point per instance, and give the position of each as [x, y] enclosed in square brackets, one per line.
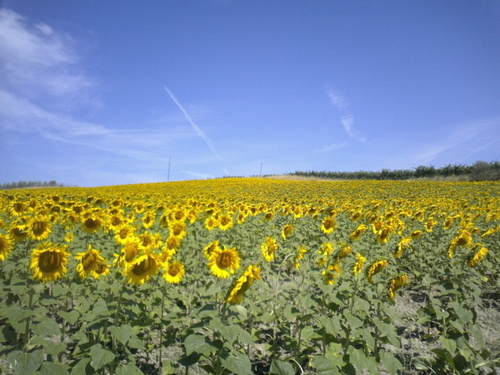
[195, 127]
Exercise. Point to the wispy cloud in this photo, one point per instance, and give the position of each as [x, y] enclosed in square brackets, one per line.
[195, 127]
[346, 118]
[43, 91]
[463, 141]
[38, 61]
[331, 147]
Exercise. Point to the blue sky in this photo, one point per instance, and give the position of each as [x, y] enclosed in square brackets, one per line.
[110, 92]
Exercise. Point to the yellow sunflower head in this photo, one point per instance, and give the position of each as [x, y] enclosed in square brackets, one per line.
[5, 246]
[124, 233]
[375, 268]
[18, 208]
[48, 262]
[287, 231]
[173, 272]
[328, 225]
[241, 285]
[89, 263]
[210, 248]
[39, 228]
[225, 222]
[92, 223]
[18, 231]
[224, 262]
[141, 268]
[268, 249]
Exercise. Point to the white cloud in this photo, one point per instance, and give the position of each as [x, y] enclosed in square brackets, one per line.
[462, 140]
[39, 61]
[346, 118]
[331, 147]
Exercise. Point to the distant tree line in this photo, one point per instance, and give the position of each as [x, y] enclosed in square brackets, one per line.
[479, 171]
[28, 184]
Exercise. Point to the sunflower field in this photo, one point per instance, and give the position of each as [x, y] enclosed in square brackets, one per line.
[251, 276]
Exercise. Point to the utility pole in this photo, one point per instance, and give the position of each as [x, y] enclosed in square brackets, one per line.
[168, 173]
[260, 174]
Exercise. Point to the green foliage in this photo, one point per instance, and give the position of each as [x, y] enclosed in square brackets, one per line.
[291, 321]
[479, 171]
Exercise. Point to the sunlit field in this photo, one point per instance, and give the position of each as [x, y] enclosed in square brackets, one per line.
[249, 275]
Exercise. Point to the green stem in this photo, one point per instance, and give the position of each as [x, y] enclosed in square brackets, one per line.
[119, 304]
[28, 322]
[161, 324]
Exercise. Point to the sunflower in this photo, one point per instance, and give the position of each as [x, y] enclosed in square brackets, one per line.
[177, 229]
[141, 268]
[300, 255]
[384, 234]
[174, 272]
[430, 224]
[224, 262]
[287, 231]
[269, 215]
[210, 248]
[241, 285]
[328, 225]
[116, 220]
[358, 232]
[403, 244]
[18, 232]
[268, 249]
[416, 234]
[150, 240]
[172, 244]
[129, 252]
[39, 228]
[345, 251]
[48, 262]
[92, 224]
[331, 273]
[477, 257]
[18, 208]
[225, 222]
[5, 246]
[396, 284]
[464, 239]
[124, 233]
[375, 268]
[148, 219]
[360, 262]
[211, 223]
[89, 262]
[240, 219]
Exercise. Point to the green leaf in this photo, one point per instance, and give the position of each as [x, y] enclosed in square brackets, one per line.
[100, 308]
[122, 333]
[281, 368]
[128, 369]
[354, 322]
[196, 343]
[100, 356]
[448, 344]
[82, 367]
[135, 343]
[47, 327]
[390, 362]
[69, 316]
[25, 363]
[465, 315]
[357, 358]
[50, 368]
[238, 364]
[327, 365]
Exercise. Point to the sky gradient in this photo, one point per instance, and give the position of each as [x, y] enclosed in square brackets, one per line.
[99, 93]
